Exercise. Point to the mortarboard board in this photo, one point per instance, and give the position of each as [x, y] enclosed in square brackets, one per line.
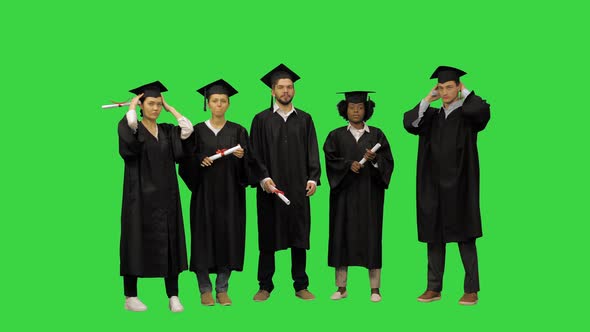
[153, 89]
[218, 87]
[356, 96]
[445, 74]
[280, 71]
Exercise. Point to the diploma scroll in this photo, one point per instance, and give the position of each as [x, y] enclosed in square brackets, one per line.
[116, 105]
[224, 152]
[374, 149]
[280, 194]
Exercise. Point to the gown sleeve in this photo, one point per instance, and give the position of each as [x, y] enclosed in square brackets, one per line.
[130, 141]
[424, 124]
[313, 155]
[189, 167]
[385, 161]
[258, 170]
[476, 111]
[337, 168]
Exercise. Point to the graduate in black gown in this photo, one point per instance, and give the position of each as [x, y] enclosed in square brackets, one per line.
[447, 179]
[152, 230]
[218, 200]
[284, 142]
[357, 192]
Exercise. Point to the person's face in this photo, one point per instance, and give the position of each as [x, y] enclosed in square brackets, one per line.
[448, 91]
[218, 104]
[356, 112]
[152, 107]
[284, 91]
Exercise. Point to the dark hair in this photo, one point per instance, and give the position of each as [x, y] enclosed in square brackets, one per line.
[343, 109]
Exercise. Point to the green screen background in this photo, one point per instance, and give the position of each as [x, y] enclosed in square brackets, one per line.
[62, 175]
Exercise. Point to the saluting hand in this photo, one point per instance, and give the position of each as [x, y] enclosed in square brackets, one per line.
[433, 95]
[135, 101]
[166, 106]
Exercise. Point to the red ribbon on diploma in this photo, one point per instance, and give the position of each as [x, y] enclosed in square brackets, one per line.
[279, 192]
[119, 103]
[221, 152]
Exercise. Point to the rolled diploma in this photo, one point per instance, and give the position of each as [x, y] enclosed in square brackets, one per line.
[281, 196]
[115, 105]
[226, 152]
[374, 149]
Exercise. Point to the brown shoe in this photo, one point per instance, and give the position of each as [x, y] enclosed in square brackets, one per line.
[207, 299]
[261, 295]
[304, 294]
[429, 296]
[468, 299]
[223, 299]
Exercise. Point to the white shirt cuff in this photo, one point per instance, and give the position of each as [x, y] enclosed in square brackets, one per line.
[186, 127]
[131, 116]
[423, 107]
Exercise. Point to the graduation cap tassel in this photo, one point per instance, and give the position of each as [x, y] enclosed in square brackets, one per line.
[205, 101]
[271, 102]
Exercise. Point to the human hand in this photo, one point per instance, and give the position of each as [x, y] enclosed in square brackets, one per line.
[206, 162]
[135, 101]
[267, 184]
[356, 166]
[239, 153]
[370, 155]
[311, 188]
[433, 95]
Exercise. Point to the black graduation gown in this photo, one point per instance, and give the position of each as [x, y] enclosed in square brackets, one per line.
[288, 153]
[356, 200]
[152, 230]
[447, 178]
[218, 200]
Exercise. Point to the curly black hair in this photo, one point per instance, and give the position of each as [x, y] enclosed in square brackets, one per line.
[343, 109]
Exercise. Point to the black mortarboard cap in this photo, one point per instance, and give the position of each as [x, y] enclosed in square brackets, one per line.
[153, 89]
[218, 87]
[281, 71]
[356, 96]
[445, 74]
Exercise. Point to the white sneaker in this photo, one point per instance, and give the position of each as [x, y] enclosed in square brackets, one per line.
[134, 304]
[175, 305]
[338, 296]
[375, 298]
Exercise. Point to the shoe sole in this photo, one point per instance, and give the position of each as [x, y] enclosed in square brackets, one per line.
[429, 300]
[133, 310]
[338, 298]
[467, 303]
[225, 304]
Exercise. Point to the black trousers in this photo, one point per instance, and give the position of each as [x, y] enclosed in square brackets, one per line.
[130, 286]
[436, 266]
[266, 269]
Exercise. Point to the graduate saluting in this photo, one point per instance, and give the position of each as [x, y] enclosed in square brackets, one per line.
[152, 230]
[447, 179]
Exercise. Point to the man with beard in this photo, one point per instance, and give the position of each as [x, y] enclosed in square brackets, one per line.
[447, 189]
[284, 143]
